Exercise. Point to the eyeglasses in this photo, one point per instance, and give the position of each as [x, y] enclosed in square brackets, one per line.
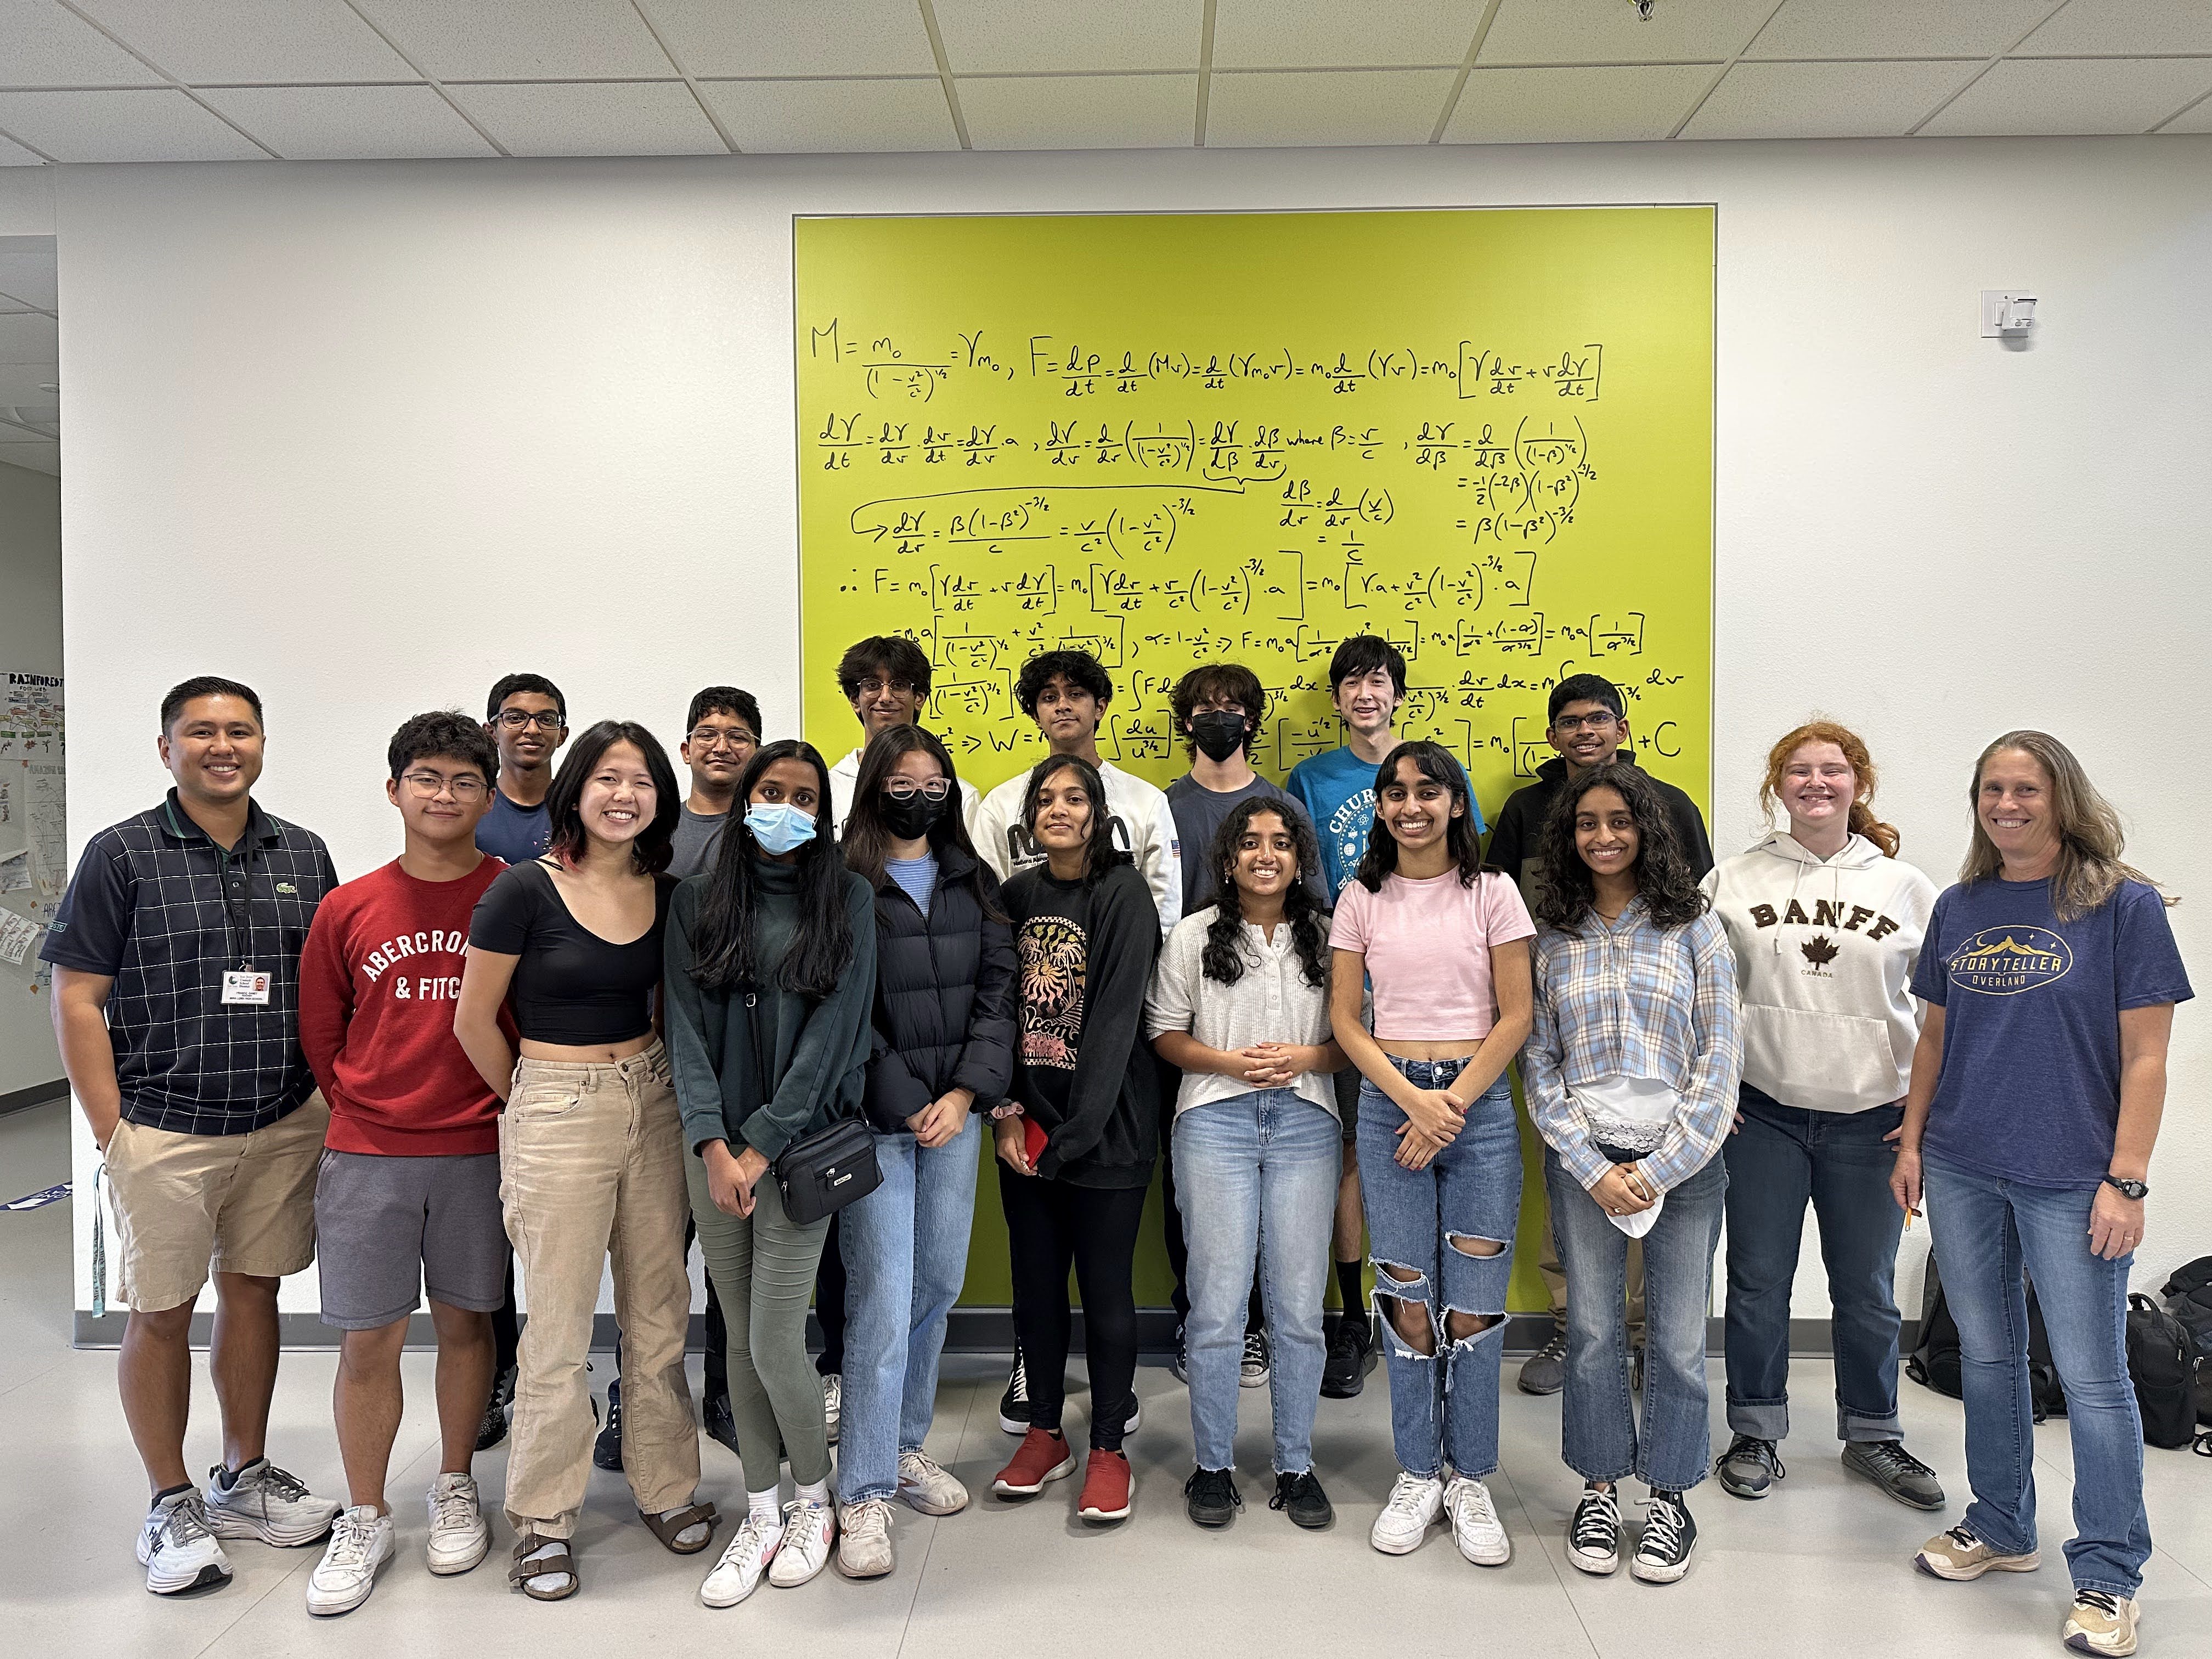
[515, 718]
[427, 785]
[1570, 724]
[873, 688]
[907, 789]
[710, 737]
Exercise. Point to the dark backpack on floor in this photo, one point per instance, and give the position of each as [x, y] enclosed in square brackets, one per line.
[1933, 1361]
[2162, 1363]
[2189, 1299]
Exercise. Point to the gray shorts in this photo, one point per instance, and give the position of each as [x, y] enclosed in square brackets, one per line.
[388, 1227]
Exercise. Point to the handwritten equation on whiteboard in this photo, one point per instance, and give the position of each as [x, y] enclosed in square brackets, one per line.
[1020, 434]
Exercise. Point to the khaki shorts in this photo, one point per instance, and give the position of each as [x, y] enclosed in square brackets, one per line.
[189, 1205]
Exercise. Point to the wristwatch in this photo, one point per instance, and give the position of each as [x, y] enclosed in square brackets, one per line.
[2128, 1188]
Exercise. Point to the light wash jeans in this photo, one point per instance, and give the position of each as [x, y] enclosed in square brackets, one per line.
[1986, 1230]
[1445, 1403]
[906, 1257]
[1257, 1178]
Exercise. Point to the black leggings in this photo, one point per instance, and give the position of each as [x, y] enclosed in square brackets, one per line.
[1049, 1225]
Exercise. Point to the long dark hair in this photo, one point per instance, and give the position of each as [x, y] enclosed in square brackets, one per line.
[649, 848]
[1223, 956]
[1664, 880]
[1436, 763]
[1101, 854]
[868, 838]
[822, 945]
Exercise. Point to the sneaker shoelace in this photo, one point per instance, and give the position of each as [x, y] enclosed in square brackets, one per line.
[350, 1540]
[1761, 1452]
[1557, 1348]
[746, 1544]
[1294, 1489]
[1597, 1523]
[1476, 1496]
[1962, 1538]
[1891, 1458]
[1216, 1485]
[1409, 1497]
[1255, 1349]
[871, 1517]
[454, 1505]
[2107, 1604]
[185, 1523]
[1019, 1382]
[1662, 1528]
[283, 1483]
[805, 1524]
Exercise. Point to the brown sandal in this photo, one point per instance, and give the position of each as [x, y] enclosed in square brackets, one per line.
[668, 1530]
[563, 1562]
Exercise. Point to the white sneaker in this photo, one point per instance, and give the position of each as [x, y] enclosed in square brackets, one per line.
[176, 1548]
[737, 1574]
[833, 1403]
[459, 1536]
[2099, 1622]
[926, 1484]
[361, 1542]
[1476, 1528]
[1414, 1506]
[809, 1530]
[864, 1538]
[267, 1502]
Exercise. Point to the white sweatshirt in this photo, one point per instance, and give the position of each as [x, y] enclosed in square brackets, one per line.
[1824, 955]
[1143, 826]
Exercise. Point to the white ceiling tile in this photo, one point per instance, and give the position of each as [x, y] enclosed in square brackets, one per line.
[13, 154]
[1826, 101]
[2098, 26]
[27, 269]
[1081, 112]
[26, 383]
[214, 41]
[1325, 107]
[1561, 106]
[824, 37]
[121, 126]
[1327, 34]
[2196, 119]
[598, 118]
[2069, 95]
[29, 337]
[1021, 36]
[1609, 31]
[522, 40]
[834, 115]
[35, 457]
[1897, 28]
[341, 123]
[43, 45]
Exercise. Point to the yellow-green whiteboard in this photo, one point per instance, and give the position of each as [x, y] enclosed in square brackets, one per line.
[1177, 438]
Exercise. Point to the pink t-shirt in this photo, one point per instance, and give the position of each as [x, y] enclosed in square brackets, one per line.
[1427, 944]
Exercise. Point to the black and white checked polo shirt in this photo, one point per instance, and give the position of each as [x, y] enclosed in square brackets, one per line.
[147, 906]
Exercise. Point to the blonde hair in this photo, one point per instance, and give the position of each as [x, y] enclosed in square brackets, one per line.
[1863, 820]
[2090, 840]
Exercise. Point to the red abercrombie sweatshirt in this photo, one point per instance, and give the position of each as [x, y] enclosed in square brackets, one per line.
[378, 981]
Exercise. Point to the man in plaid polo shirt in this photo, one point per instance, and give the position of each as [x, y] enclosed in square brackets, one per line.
[176, 957]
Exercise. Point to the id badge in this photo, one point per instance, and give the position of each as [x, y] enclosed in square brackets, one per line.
[243, 985]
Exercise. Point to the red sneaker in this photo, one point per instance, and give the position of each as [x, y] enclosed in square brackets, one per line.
[1107, 1482]
[1041, 1456]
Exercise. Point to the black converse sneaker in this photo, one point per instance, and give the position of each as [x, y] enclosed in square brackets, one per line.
[1594, 1535]
[1663, 1549]
[1014, 1403]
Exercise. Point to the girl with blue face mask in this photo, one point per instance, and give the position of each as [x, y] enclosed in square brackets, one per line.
[771, 974]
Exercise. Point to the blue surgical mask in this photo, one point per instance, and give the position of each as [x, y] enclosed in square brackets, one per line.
[778, 826]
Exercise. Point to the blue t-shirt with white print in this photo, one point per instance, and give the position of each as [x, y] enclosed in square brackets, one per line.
[2030, 1090]
[1337, 789]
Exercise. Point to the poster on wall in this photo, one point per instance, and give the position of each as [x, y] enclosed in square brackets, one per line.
[33, 823]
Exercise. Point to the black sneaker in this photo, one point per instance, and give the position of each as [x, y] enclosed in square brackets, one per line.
[1594, 1535]
[1896, 1471]
[1749, 1468]
[1662, 1548]
[1545, 1371]
[606, 1450]
[493, 1429]
[1253, 1369]
[1014, 1403]
[1181, 1364]
[721, 1423]
[1211, 1497]
[1351, 1355]
[1301, 1496]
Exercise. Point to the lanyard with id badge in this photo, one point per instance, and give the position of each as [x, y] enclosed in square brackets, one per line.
[243, 985]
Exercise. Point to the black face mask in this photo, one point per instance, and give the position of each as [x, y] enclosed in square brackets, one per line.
[911, 819]
[1218, 734]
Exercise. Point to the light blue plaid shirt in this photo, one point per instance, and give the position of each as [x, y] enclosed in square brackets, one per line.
[1635, 1000]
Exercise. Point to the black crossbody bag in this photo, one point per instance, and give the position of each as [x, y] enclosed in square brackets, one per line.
[818, 1174]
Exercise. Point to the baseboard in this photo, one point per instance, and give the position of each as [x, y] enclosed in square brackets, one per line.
[971, 1330]
[22, 1100]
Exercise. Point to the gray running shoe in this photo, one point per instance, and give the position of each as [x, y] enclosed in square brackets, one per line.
[1749, 1468]
[1545, 1371]
[1896, 1471]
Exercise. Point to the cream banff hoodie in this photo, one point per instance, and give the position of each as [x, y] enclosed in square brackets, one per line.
[1824, 955]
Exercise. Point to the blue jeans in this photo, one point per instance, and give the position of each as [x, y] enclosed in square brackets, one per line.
[1442, 1404]
[1986, 1230]
[1598, 1427]
[1782, 1159]
[906, 1257]
[1257, 1179]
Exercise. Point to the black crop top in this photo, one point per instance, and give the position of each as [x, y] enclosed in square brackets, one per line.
[571, 987]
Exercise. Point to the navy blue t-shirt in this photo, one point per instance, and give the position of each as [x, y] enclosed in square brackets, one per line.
[514, 834]
[2031, 1084]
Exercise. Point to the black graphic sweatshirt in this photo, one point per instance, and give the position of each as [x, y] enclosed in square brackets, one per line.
[1085, 955]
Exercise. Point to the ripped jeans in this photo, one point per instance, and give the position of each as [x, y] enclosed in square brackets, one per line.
[1443, 1406]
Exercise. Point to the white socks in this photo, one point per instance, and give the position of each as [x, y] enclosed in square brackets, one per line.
[694, 1533]
[765, 1513]
[815, 1496]
[547, 1582]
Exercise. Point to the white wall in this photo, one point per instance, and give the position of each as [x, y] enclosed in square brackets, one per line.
[367, 435]
[30, 643]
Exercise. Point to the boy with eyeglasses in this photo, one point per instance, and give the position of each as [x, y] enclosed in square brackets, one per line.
[528, 718]
[1588, 725]
[408, 1195]
[886, 678]
[720, 735]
